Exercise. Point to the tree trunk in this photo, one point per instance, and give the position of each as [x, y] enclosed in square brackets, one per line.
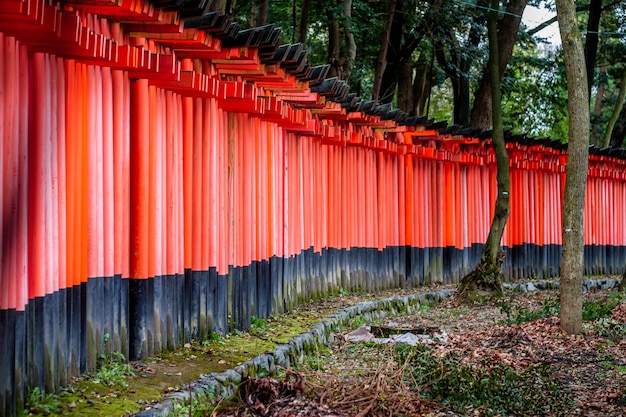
[218, 5]
[401, 48]
[294, 20]
[405, 88]
[576, 170]
[397, 57]
[597, 108]
[422, 84]
[507, 36]
[591, 40]
[381, 62]
[334, 46]
[487, 276]
[619, 131]
[230, 6]
[262, 16]
[460, 95]
[350, 56]
[457, 69]
[619, 104]
[304, 18]
[253, 14]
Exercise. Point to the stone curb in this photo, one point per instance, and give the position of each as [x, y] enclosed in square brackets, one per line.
[588, 285]
[221, 386]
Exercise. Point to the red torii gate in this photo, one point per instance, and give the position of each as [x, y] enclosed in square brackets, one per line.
[162, 169]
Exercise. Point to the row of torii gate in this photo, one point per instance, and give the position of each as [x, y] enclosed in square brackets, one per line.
[165, 174]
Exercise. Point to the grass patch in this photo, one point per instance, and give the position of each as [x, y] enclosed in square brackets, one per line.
[518, 315]
[39, 402]
[592, 309]
[357, 322]
[199, 405]
[258, 323]
[112, 370]
[492, 388]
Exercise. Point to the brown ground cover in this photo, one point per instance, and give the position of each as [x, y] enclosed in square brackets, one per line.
[583, 375]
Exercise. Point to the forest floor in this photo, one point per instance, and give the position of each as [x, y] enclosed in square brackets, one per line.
[493, 357]
[489, 358]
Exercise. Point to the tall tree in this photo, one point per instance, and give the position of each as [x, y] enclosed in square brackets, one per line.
[334, 45]
[405, 100]
[304, 19]
[262, 15]
[258, 13]
[350, 53]
[488, 274]
[619, 131]
[398, 57]
[217, 5]
[422, 83]
[508, 27]
[456, 59]
[619, 104]
[294, 20]
[591, 41]
[597, 108]
[405, 37]
[381, 62]
[342, 61]
[576, 170]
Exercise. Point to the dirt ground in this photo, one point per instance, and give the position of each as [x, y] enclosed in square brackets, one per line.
[365, 379]
[360, 379]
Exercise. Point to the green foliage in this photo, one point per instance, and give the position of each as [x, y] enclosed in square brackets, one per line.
[518, 315]
[258, 323]
[610, 329]
[39, 402]
[200, 405]
[316, 361]
[357, 321]
[534, 91]
[619, 368]
[601, 309]
[609, 66]
[401, 309]
[441, 103]
[592, 309]
[493, 388]
[112, 370]
[214, 338]
[534, 85]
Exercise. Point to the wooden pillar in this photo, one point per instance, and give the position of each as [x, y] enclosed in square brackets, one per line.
[139, 301]
[38, 217]
[120, 104]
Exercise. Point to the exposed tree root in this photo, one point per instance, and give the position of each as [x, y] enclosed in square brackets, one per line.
[485, 279]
